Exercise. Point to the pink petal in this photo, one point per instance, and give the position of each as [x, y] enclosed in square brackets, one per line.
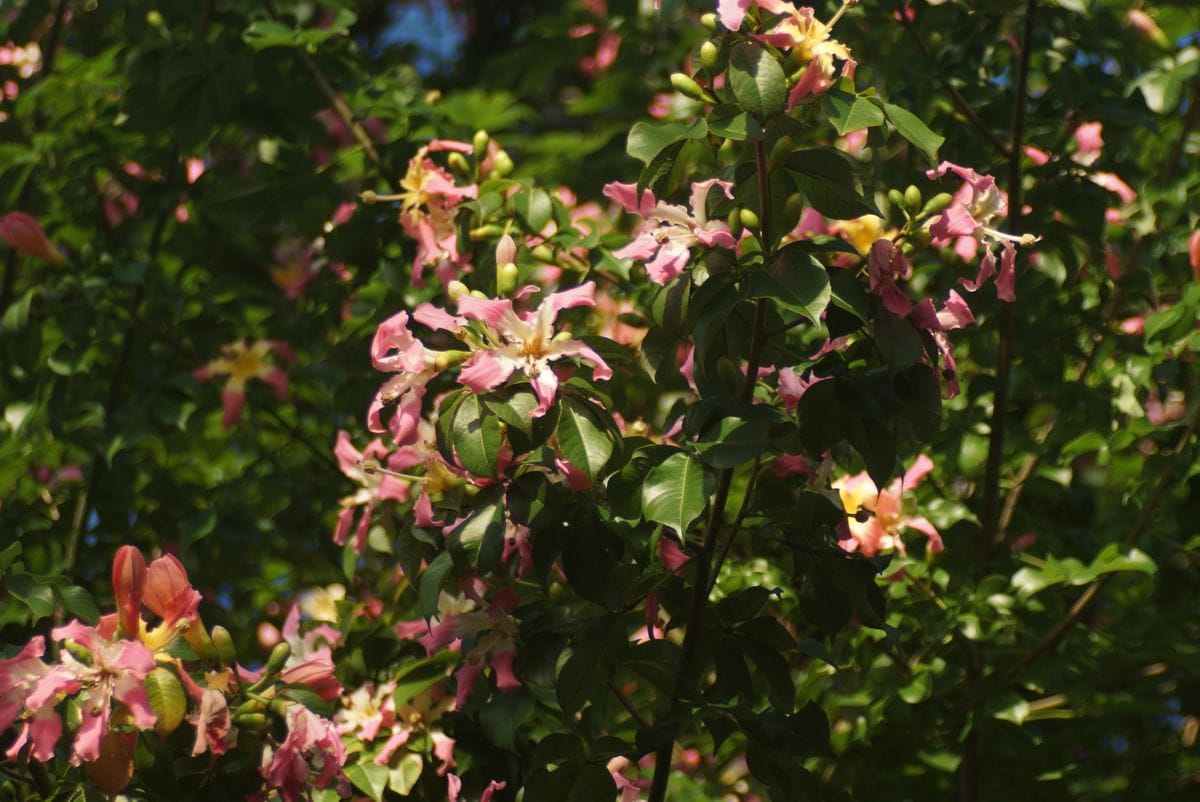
[626, 195]
[484, 371]
[502, 665]
[493, 312]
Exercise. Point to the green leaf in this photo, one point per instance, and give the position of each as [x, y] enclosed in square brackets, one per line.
[583, 438]
[263, 34]
[534, 207]
[826, 177]
[404, 777]
[78, 603]
[36, 595]
[476, 437]
[480, 538]
[737, 438]
[729, 121]
[674, 493]
[416, 678]
[909, 126]
[572, 781]
[757, 81]
[430, 587]
[504, 715]
[849, 112]
[372, 780]
[647, 140]
[795, 281]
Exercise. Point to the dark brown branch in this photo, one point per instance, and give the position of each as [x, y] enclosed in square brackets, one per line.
[625, 703]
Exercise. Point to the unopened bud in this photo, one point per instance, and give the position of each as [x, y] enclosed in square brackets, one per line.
[503, 162]
[250, 706]
[223, 643]
[480, 294]
[687, 86]
[912, 198]
[78, 651]
[734, 220]
[458, 163]
[480, 142]
[368, 196]
[794, 205]
[507, 276]
[749, 218]
[490, 231]
[448, 359]
[779, 152]
[251, 721]
[896, 198]
[1029, 239]
[279, 656]
[709, 21]
[506, 250]
[937, 204]
[543, 253]
[456, 289]
[129, 584]
[710, 55]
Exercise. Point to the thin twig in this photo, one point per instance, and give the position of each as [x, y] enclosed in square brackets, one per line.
[633, 711]
[737, 523]
[956, 97]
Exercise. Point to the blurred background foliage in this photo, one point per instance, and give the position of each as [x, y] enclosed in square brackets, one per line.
[294, 108]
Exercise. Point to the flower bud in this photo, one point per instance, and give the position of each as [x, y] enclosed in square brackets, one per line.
[506, 250]
[503, 162]
[279, 656]
[543, 253]
[912, 198]
[734, 221]
[937, 204]
[896, 198]
[687, 86]
[710, 55]
[223, 643]
[458, 163]
[507, 276]
[779, 152]
[250, 706]
[709, 21]
[794, 206]
[129, 583]
[480, 142]
[168, 592]
[368, 196]
[749, 218]
[251, 721]
[456, 289]
[448, 359]
[23, 233]
[1145, 25]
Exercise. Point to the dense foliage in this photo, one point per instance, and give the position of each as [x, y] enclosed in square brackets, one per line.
[588, 400]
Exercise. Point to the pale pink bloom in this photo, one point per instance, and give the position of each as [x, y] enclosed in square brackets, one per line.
[19, 675]
[955, 314]
[1113, 183]
[886, 264]
[316, 673]
[527, 343]
[312, 747]
[211, 717]
[733, 12]
[607, 46]
[1133, 325]
[976, 206]
[516, 541]
[394, 349]
[1089, 142]
[1145, 25]
[1160, 411]
[242, 361]
[428, 205]
[115, 673]
[1036, 155]
[23, 233]
[809, 41]
[883, 511]
[631, 790]
[609, 311]
[854, 141]
[454, 789]
[492, 631]
[664, 243]
[793, 386]
[373, 486]
[1193, 248]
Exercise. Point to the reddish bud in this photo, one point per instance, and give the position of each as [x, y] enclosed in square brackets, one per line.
[129, 582]
[1194, 253]
[23, 233]
[168, 592]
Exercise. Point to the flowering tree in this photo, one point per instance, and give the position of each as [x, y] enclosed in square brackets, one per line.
[649, 418]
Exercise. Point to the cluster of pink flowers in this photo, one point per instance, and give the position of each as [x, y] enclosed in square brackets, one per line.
[876, 518]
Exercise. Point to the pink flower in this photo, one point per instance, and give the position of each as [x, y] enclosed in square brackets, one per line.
[1036, 155]
[1193, 247]
[526, 342]
[664, 243]
[876, 517]
[1113, 183]
[211, 718]
[116, 672]
[492, 630]
[792, 386]
[1088, 143]
[243, 361]
[395, 349]
[129, 582]
[312, 746]
[454, 789]
[169, 594]
[19, 676]
[373, 486]
[316, 673]
[733, 12]
[809, 41]
[976, 205]
[23, 233]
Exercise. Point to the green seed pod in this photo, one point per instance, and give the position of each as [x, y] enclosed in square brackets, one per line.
[749, 218]
[912, 198]
[896, 198]
[507, 276]
[710, 55]
[223, 642]
[503, 162]
[279, 656]
[687, 86]
[480, 142]
[709, 21]
[937, 204]
[166, 698]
